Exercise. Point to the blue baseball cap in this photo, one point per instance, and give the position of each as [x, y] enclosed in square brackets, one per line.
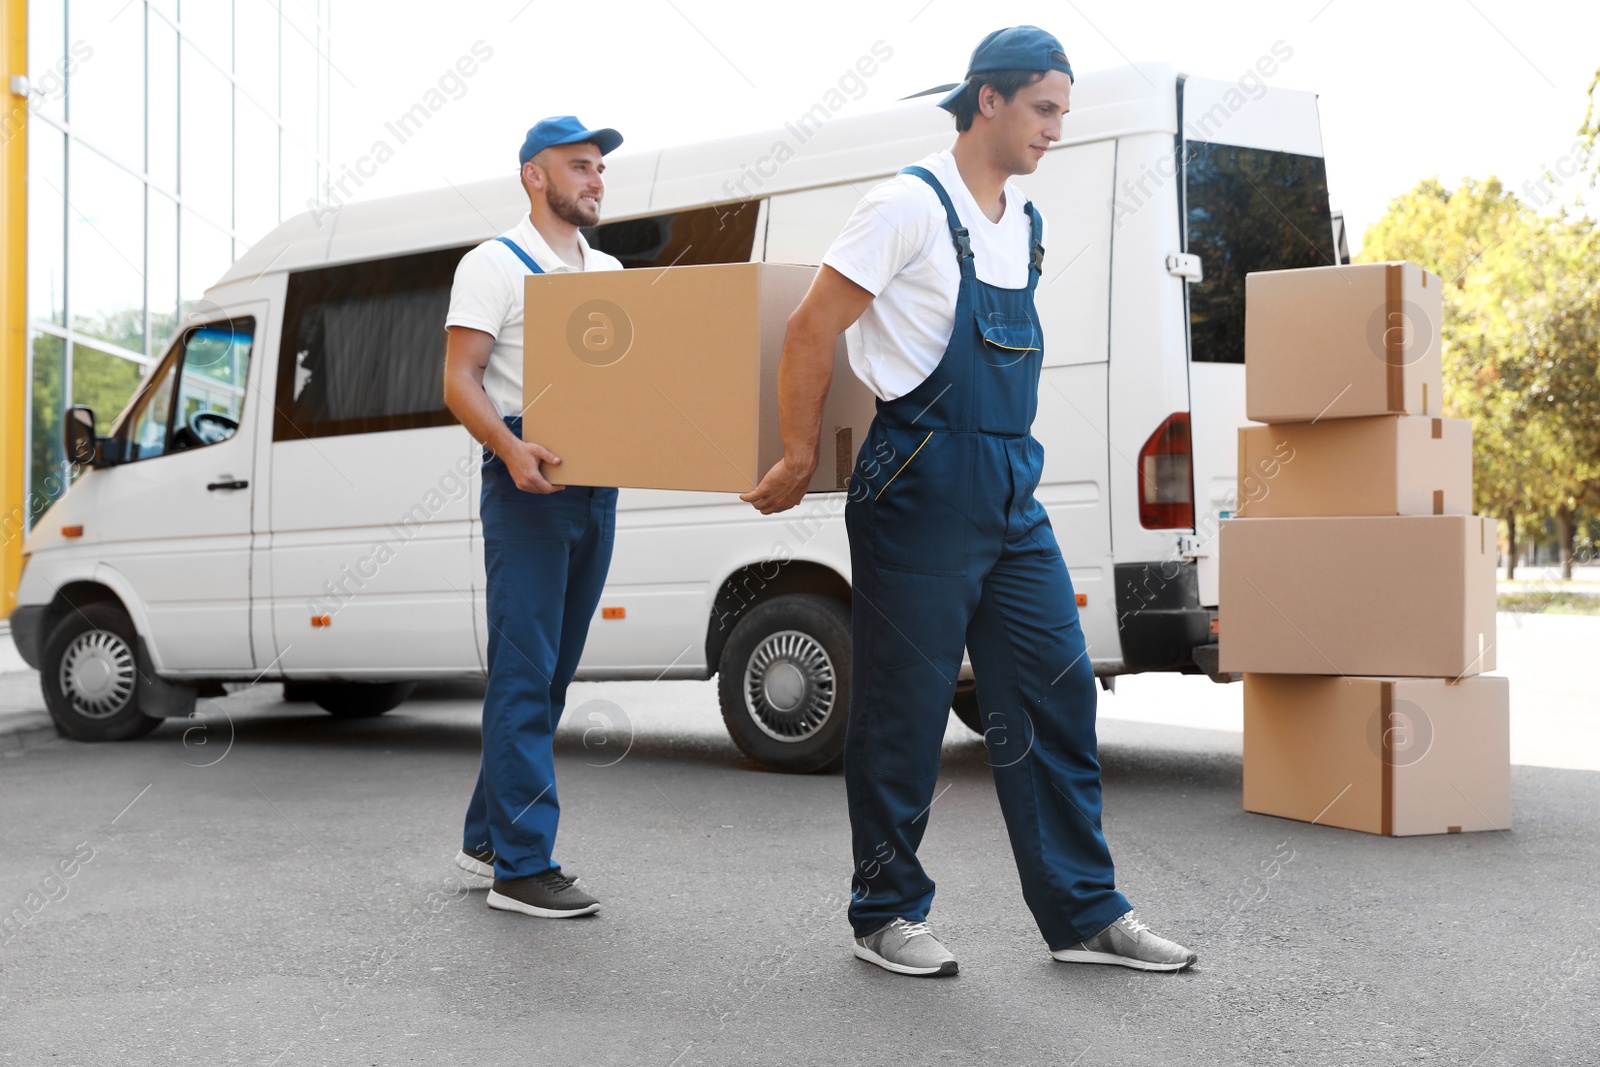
[1013, 48]
[565, 129]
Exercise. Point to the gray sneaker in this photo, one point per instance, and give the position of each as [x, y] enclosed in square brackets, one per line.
[906, 948]
[550, 895]
[1128, 943]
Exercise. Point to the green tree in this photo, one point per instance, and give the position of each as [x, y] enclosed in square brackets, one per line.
[1556, 383]
[47, 455]
[1520, 334]
[104, 382]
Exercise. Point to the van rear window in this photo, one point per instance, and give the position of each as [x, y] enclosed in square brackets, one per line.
[363, 347]
[1248, 210]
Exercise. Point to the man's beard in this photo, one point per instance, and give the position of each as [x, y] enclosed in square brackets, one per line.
[571, 210]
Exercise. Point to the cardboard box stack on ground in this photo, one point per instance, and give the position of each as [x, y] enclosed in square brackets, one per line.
[1342, 342]
[1393, 756]
[1358, 590]
[1382, 465]
[668, 378]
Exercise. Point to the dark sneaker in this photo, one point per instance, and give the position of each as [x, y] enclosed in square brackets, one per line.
[480, 861]
[551, 895]
[907, 948]
[1128, 943]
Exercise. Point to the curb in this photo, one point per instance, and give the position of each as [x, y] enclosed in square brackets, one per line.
[29, 730]
[27, 726]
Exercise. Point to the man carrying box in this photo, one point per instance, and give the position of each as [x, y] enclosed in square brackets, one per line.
[948, 545]
[546, 548]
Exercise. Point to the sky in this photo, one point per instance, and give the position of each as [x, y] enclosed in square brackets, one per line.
[1406, 90]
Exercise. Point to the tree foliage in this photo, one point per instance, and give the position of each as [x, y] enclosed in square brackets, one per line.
[1520, 336]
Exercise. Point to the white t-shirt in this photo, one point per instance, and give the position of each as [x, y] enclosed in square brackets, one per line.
[897, 247]
[487, 296]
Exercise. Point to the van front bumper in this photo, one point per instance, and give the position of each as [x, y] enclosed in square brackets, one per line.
[1159, 616]
[27, 630]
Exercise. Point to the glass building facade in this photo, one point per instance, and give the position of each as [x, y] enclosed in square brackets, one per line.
[164, 137]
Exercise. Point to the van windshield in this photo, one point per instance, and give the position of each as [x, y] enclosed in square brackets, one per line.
[1248, 209]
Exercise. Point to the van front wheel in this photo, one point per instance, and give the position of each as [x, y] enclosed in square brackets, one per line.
[784, 683]
[354, 700]
[90, 676]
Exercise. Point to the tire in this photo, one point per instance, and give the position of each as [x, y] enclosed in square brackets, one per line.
[965, 705]
[784, 683]
[355, 700]
[90, 676]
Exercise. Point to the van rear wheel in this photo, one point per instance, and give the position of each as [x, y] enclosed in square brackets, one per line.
[784, 683]
[90, 676]
[353, 700]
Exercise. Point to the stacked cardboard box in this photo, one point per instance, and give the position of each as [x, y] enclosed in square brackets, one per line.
[1358, 590]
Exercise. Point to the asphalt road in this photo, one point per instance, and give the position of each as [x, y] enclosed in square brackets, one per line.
[274, 887]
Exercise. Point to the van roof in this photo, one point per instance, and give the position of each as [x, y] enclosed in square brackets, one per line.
[1139, 98]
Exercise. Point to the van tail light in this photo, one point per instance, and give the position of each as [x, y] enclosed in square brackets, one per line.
[1166, 477]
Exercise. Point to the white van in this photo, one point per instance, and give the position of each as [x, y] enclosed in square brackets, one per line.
[287, 497]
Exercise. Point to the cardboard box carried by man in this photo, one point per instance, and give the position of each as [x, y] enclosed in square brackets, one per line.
[668, 378]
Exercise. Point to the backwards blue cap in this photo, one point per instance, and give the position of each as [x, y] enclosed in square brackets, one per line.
[1013, 48]
[565, 129]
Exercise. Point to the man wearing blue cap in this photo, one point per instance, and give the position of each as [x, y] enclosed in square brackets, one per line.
[948, 545]
[545, 547]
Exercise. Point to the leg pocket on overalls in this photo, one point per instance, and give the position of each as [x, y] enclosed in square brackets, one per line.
[909, 713]
[919, 506]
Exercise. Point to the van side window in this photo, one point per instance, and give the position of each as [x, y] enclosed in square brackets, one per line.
[1248, 209]
[195, 397]
[363, 347]
[723, 234]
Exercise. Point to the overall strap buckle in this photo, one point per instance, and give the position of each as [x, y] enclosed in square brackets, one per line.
[1035, 244]
[963, 242]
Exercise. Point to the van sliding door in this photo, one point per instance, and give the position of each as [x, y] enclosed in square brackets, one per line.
[371, 477]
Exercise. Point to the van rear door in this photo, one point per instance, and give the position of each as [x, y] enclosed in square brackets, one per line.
[1255, 197]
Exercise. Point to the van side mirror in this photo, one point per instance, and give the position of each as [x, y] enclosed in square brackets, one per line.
[83, 450]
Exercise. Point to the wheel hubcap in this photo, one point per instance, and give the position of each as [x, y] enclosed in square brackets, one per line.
[789, 686]
[97, 674]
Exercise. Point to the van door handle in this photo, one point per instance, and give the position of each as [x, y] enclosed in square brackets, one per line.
[229, 485]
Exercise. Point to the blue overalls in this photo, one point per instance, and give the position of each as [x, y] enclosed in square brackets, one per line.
[949, 548]
[546, 557]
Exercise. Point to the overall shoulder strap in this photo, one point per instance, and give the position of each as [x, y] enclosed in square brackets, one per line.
[527, 260]
[1035, 244]
[958, 233]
